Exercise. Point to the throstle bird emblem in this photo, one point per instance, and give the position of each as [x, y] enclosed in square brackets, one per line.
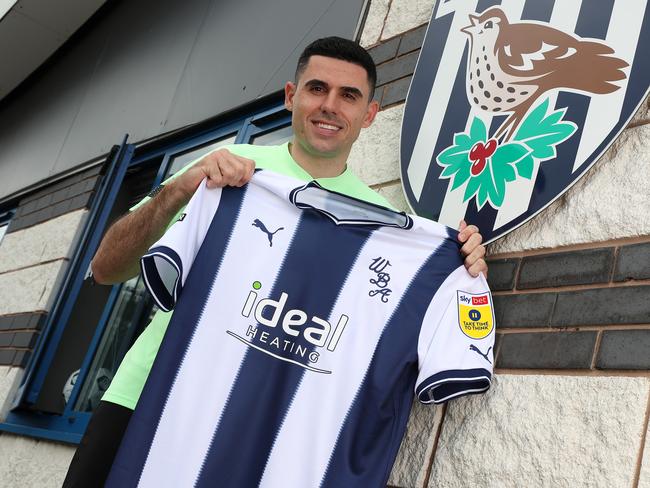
[260, 225]
[511, 65]
[511, 104]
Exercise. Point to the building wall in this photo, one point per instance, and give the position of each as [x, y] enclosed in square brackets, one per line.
[570, 402]
[34, 253]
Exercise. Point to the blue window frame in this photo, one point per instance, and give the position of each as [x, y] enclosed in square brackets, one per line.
[267, 124]
[5, 218]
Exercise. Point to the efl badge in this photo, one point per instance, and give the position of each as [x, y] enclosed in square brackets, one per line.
[512, 101]
[475, 316]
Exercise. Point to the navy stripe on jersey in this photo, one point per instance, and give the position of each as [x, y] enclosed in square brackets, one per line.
[446, 385]
[247, 432]
[372, 421]
[159, 291]
[136, 443]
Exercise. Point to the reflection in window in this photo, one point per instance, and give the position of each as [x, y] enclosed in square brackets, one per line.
[87, 312]
[132, 312]
[182, 160]
[3, 230]
[275, 137]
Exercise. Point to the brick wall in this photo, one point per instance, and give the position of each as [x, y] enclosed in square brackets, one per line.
[18, 334]
[67, 195]
[396, 59]
[33, 253]
[586, 308]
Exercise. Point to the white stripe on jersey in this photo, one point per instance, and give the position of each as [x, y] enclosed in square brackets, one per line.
[194, 379]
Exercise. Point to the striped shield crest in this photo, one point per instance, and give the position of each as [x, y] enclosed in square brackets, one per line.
[513, 101]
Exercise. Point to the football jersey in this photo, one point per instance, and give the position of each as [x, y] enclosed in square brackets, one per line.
[304, 321]
[129, 379]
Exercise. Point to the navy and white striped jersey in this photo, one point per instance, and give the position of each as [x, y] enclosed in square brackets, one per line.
[303, 322]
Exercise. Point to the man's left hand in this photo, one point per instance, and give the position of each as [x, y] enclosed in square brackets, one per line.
[473, 251]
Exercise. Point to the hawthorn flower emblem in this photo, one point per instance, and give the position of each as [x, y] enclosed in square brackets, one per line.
[485, 167]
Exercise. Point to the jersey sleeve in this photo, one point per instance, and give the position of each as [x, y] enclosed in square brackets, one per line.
[455, 347]
[167, 263]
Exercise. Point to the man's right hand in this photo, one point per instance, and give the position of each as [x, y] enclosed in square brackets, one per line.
[220, 167]
[117, 258]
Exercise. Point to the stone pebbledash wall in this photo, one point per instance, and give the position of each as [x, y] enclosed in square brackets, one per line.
[570, 402]
[34, 253]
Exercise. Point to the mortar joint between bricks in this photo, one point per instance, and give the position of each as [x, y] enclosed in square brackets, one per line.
[617, 250]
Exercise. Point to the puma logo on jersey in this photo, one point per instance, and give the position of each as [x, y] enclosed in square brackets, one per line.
[472, 347]
[260, 225]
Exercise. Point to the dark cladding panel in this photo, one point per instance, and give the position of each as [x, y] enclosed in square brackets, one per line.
[148, 67]
[33, 125]
[136, 77]
[340, 18]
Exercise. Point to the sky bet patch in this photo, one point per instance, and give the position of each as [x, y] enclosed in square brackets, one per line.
[475, 316]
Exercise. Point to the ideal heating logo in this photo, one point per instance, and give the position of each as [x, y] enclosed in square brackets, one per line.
[283, 334]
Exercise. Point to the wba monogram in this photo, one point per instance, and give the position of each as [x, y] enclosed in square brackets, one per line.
[381, 279]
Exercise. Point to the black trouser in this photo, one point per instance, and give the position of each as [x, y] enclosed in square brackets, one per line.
[94, 457]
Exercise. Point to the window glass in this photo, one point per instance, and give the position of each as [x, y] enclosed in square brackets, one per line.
[132, 311]
[88, 310]
[274, 137]
[182, 160]
[3, 230]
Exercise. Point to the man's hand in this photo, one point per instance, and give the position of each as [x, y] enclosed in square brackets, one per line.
[220, 167]
[117, 258]
[472, 250]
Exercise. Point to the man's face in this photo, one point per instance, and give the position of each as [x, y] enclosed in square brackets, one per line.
[330, 106]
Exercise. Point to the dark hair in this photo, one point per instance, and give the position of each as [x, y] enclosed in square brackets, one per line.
[343, 49]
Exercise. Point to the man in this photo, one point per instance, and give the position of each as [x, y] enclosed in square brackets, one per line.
[331, 100]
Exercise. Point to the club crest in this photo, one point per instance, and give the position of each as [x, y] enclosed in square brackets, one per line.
[511, 102]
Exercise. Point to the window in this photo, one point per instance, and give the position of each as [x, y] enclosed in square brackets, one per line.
[4, 223]
[181, 160]
[277, 136]
[91, 326]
